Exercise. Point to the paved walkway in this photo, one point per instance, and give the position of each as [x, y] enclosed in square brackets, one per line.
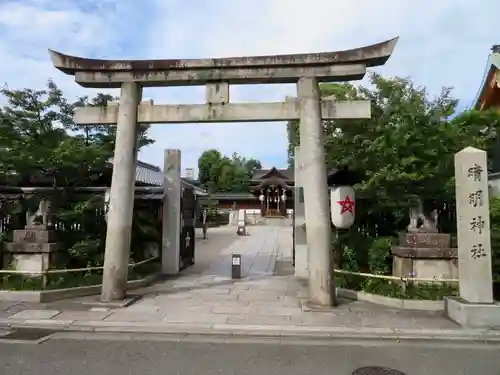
[209, 299]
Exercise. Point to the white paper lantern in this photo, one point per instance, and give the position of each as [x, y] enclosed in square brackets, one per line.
[342, 202]
[261, 198]
[283, 197]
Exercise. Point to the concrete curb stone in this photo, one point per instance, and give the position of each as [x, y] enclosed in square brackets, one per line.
[368, 333]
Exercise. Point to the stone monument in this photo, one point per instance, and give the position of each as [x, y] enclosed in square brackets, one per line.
[475, 306]
[233, 215]
[422, 251]
[34, 249]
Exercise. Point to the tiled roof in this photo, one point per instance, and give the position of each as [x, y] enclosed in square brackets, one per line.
[153, 175]
[147, 175]
[288, 173]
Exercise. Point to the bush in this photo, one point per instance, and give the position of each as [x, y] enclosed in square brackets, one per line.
[397, 288]
[378, 261]
[379, 256]
[351, 250]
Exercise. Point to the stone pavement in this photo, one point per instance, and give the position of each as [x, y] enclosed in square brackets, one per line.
[210, 301]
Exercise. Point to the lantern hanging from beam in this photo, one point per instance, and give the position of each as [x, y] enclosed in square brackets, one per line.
[342, 197]
[342, 209]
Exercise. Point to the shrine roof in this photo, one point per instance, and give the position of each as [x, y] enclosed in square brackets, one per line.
[272, 181]
[261, 174]
[372, 55]
[492, 66]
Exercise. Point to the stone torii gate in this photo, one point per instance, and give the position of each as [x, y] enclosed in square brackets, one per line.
[305, 70]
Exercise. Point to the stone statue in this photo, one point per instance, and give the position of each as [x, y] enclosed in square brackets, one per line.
[429, 221]
[416, 210]
[422, 220]
[41, 217]
[107, 198]
[414, 217]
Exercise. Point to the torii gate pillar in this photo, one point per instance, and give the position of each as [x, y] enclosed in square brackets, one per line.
[317, 213]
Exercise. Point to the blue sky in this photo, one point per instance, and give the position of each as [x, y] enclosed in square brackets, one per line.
[442, 43]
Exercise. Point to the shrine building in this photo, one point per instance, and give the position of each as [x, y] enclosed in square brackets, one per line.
[488, 97]
[270, 194]
[489, 91]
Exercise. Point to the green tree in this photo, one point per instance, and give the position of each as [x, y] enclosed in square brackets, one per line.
[208, 168]
[41, 144]
[104, 134]
[406, 148]
[34, 143]
[220, 173]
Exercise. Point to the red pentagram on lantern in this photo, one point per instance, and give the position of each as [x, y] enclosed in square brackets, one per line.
[347, 205]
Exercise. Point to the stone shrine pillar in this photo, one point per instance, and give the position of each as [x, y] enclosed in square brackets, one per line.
[171, 222]
[473, 226]
[317, 211]
[262, 200]
[233, 215]
[283, 199]
[121, 200]
[475, 307]
[300, 245]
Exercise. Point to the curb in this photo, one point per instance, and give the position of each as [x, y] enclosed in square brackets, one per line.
[42, 296]
[235, 330]
[398, 303]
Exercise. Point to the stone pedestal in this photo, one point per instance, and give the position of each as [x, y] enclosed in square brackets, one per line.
[425, 256]
[34, 250]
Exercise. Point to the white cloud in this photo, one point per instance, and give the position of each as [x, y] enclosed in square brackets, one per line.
[443, 43]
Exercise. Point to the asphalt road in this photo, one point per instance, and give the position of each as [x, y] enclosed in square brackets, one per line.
[82, 354]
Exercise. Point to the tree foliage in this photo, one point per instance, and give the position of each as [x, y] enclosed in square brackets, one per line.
[406, 149]
[40, 141]
[40, 145]
[219, 173]
[104, 135]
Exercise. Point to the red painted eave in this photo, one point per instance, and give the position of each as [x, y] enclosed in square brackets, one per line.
[483, 91]
[488, 94]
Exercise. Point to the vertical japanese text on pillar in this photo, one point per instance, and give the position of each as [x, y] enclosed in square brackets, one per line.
[477, 222]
